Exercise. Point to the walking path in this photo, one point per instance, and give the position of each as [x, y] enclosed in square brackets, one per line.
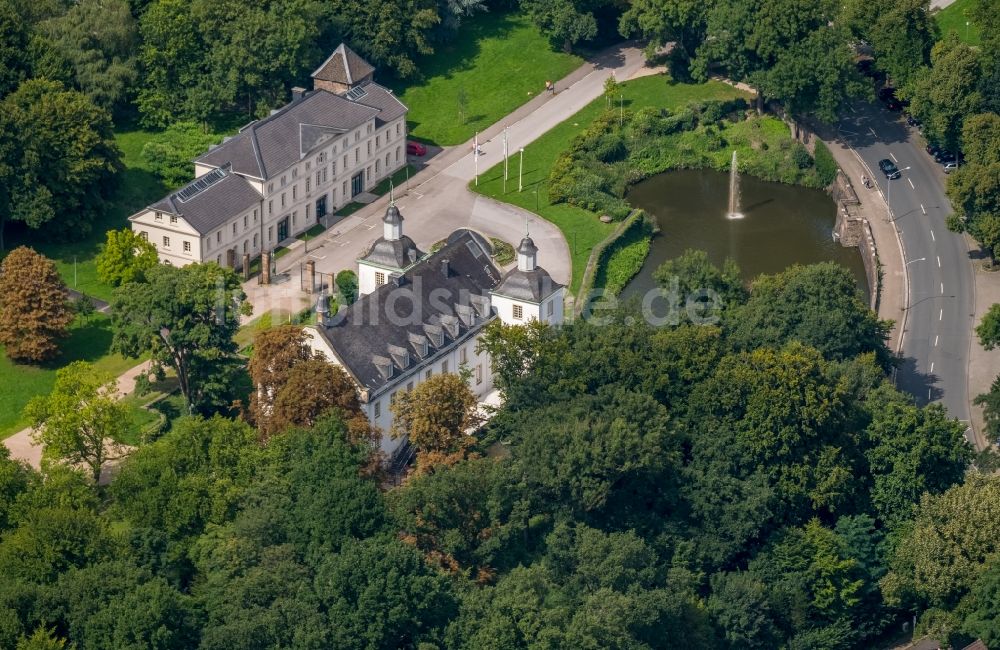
[22, 447]
[437, 201]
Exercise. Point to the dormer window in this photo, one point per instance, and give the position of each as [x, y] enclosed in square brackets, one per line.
[173, 219]
[379, 278]
[518, 312]
[158, 216]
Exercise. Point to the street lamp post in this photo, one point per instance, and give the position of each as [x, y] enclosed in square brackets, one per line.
[520, 167]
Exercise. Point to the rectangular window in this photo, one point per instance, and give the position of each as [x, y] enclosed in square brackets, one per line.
[255, 215]
[246, 245]
[282, 199]
[294, 214]
[518, 312]
[397, 128]
[255, 241]
[345, 189]
[357, 156]
[270, 187]
[309, 165]
[173, 219]
[378, 141]
[463, 355]
[378, 409]
[345, 161]
[187, 247]
[166, 242]
[377, 164]
[270, 234]
[234, 227]
[369, 147]
[218, 237]
[270, 208]
[324, 173]
[307, 212]
[387, 161]
[444, 366]
[295, 192]
[308, 185]
[158, 216]
[479, 374]
[552, 307]
[317, 177]
[379, 278]
[397, 154]
[357, 135]
[282, 181]
[144, 235]
[295, 172]
[333, 170]
[245, 219]
[428, 374]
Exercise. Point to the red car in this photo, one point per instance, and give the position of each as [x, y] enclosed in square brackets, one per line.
[415, 149]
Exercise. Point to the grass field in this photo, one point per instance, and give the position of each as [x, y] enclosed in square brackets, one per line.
[500, 62]
[582, 228]
[89, 340]
[953, 19]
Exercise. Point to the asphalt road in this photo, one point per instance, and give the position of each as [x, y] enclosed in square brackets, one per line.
[938, 323]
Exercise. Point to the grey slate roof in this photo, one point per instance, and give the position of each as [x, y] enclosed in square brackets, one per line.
[211, 207]
[385, 334]
[530, 286]
[273, 144]
[343, 66]
[397, 254]
[527, 247]
[380, 97]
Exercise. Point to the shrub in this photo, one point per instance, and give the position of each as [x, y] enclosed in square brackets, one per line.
[622, 259]
[347, 283]
[503, 253]
[826, 166]
[801, 157]
[169, 153]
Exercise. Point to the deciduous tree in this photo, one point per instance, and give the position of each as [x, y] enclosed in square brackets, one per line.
[81, 420]
[125, 257]
[947, 92]
[64, 159]
[186, 318]
[275, 352]
[315, 388]
[34, 306]
[436, 417]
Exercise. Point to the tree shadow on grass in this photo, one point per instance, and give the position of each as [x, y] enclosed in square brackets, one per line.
[88, 340]
[462, 52]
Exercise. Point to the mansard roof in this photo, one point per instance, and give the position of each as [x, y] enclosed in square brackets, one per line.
[401, 315]
[529, 286]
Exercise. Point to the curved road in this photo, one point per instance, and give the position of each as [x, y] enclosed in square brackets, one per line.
[938, 322]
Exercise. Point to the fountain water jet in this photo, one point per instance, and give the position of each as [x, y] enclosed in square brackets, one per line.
[734, 191]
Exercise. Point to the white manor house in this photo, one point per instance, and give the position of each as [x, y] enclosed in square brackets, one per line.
[419, 314]
[280, 175]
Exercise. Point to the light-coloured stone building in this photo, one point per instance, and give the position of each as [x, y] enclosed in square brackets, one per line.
[419, 314]
[281, 175]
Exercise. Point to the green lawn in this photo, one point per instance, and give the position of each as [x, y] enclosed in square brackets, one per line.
[582, 228]
[953, 19]
[88, 341]
[500, 62]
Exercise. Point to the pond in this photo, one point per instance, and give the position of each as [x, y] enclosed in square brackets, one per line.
[782, 225]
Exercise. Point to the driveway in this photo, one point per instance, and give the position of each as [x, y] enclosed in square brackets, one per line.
[437, 200]
[938, 322]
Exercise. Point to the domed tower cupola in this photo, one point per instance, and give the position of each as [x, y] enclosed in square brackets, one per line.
[392, 223]
[527, 255]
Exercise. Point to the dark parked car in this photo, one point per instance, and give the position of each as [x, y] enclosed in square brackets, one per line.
[912, 121]
[415, 149]
[944, 157]
[893, 104]
[887, 93]
[932, 149]
[889, 168]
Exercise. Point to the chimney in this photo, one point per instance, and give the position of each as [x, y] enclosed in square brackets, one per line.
[298, 92]
[445, 267]
[397, 279]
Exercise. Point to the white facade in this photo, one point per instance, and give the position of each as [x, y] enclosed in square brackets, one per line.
[377, 406]
[292, 201]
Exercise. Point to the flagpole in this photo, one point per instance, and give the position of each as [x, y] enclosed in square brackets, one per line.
[475, 155]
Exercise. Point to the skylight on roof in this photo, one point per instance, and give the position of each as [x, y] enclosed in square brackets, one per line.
[356, 93]
[203, 183]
